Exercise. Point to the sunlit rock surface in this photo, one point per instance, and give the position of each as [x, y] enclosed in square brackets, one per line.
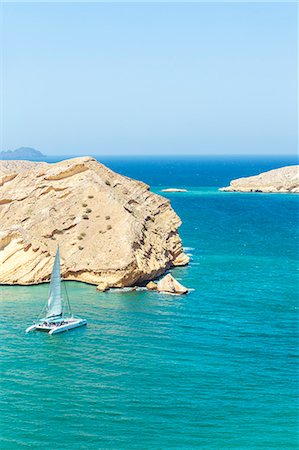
[112, 231]
[285, 179]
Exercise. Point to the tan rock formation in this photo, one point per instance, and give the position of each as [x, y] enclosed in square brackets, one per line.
[285, 179]
[111, 229]
[171, 285]
[151, 286]
[181, 260]
[102, 286]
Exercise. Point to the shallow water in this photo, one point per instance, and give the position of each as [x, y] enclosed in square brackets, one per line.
[214, 369]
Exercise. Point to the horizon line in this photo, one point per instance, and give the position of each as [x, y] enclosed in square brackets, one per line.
[166, 155]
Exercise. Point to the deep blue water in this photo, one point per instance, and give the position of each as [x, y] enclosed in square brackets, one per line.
[190, 170]
[216, 369]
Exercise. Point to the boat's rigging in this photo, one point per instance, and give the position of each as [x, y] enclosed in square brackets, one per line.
[42, 311]
[67, 299]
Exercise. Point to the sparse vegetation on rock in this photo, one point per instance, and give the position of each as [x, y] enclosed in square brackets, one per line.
[118, 256]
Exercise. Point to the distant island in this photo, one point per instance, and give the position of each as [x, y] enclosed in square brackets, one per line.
[284, 179]
[23, 153]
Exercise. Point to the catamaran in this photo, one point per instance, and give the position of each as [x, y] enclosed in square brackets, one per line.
[56, 319]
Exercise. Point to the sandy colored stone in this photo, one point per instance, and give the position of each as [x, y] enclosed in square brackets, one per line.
[285, 179]
[171, 285]
[151, 286]
[102, 287]
[181, 260]
[111, 229]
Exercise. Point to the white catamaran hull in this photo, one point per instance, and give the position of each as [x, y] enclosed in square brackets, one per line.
[67, 324]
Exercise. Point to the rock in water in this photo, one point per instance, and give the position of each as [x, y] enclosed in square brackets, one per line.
[171, 285]
[181, 260]
[102, 287]
[112, 230]
[151, 286]
[174, 190]
[285, 179]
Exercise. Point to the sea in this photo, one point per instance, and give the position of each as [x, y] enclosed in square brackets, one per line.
[214, 369]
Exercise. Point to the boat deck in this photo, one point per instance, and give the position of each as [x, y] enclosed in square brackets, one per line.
[58, 327]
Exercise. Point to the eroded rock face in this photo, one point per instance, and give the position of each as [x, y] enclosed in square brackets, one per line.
[285, 179]
[170, 285]
[111, 229]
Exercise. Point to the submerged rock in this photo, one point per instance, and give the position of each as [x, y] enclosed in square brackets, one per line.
[112, 230]
[171, 285]
[285, 179]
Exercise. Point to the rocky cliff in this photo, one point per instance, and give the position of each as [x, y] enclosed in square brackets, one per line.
[111, 229]
[285, 179]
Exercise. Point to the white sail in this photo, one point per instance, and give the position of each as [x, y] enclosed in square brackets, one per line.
[54, 307]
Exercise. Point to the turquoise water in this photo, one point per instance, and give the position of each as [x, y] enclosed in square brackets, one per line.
[215, 369]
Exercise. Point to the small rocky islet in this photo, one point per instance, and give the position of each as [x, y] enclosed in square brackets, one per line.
[171, 190]
[112, 231]
[167, 284]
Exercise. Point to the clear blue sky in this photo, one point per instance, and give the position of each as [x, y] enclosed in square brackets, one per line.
[150, 78]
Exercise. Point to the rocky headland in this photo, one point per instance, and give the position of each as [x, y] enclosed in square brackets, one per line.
[112, 231]
[285, 179]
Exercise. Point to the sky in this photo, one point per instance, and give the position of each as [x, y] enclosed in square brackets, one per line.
[150, 78]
